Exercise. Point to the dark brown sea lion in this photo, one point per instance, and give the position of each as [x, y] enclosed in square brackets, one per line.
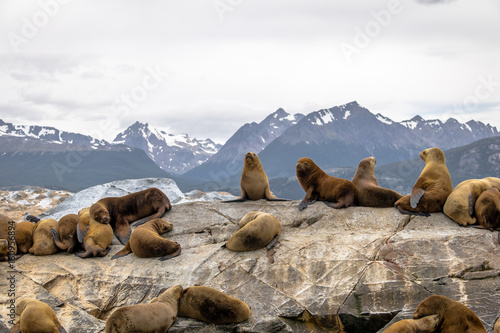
[432, 187]
[36, 317]
[156, 316]
[8, 247]
[336, 192]
[24, 236]
[258, 229]
[43, 243]
[121, 211]
[254, 183]
[65, 237]
[426, 324]
[453, 316]
[487, 209]
[212, 306]
[459, 205]
[369, 193]
[146, 242]
[95, 239]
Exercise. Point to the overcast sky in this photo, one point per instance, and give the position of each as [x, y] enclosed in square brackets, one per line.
[207, 67]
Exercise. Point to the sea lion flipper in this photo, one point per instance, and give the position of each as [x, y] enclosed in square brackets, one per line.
[16, 328]
[123, 252]
[171, 255]
[81, 231]
[277, 199]
[416, 194]
[123, 232]
[272, 242]
[235, 200]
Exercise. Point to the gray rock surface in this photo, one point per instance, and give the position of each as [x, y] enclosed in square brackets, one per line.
[350, 270]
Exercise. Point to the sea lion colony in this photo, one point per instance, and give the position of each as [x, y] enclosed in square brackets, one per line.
[90, 232]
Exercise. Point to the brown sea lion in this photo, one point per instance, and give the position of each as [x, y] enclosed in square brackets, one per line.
[459, 205]
[432, 187]
[496, 329]
[8, 247]
[36, 317]
[453, 316]
[95, 239]
[426, 324]
[24, 236]
[336, 192]
[156, 316]
[253, 182]
[64, 235]
[258, 229]
[146, 242]
[43, 243]
[369, 193]
[212, 306]
[121, 211]
[487, 209]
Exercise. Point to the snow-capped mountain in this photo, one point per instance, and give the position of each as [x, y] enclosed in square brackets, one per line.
[49, 134]
[250, 137]
[172, 153]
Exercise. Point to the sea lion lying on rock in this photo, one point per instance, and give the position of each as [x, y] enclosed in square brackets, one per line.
[64, 235]
[426, 324]
[43, 242]
[95, 238]
[36, 317]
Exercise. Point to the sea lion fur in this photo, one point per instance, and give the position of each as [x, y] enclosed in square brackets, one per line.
[258, 229]
[36, 317]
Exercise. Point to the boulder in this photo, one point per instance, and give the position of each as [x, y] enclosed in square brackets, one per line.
[350, 270]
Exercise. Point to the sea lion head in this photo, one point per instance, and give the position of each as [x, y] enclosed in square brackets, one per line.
[368, 163]
[21, 305]
[100, 213]
[251, 160]
[162, 226]
[431, 305]
[432, 155]
[305, 166]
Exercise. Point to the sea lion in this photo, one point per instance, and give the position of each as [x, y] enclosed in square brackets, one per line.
[212, 306]
[258, 229]
[36, 317]
[121, 211]
[487, 209]
[8, 247]
[253, 182]
[65, 237]
[24, 236]
[496, 329]
[337, 192]
[432, 187]
[459, 205]
[155, 316]
[453, 316]
[369, 193]
[146, 242]
[426, 324]
[43, 243]
[95, 239]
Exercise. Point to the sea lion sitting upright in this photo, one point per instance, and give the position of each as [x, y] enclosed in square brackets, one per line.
[336, 192]
[121, 211]
[459, 205]
[212, 306]
[36, 316]
[487, 209]
[146, 242]
[253, 182]
[426, 324]
[96, 237]
[432, 187]
[369, 193]
[258, 229]
[43, 242]
[453, 316]
[65, 237]
[24, 236]
[156, 316]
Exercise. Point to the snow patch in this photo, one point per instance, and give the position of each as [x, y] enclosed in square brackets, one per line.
[346, 114]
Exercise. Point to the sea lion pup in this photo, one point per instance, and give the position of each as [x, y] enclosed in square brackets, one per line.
[427, 324]
[337, 192]
[95, 239]
[432, 187]
[146, 242]
[487, 209]
[64, 235]
[369, 193]
[453, 316]
[24, 236]
[43, 242]
[7, 235]
[459, 205]
[253, 182]
[36, 317]
[156, 316]
[258, 229]
[212, 306]
[121, 211]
